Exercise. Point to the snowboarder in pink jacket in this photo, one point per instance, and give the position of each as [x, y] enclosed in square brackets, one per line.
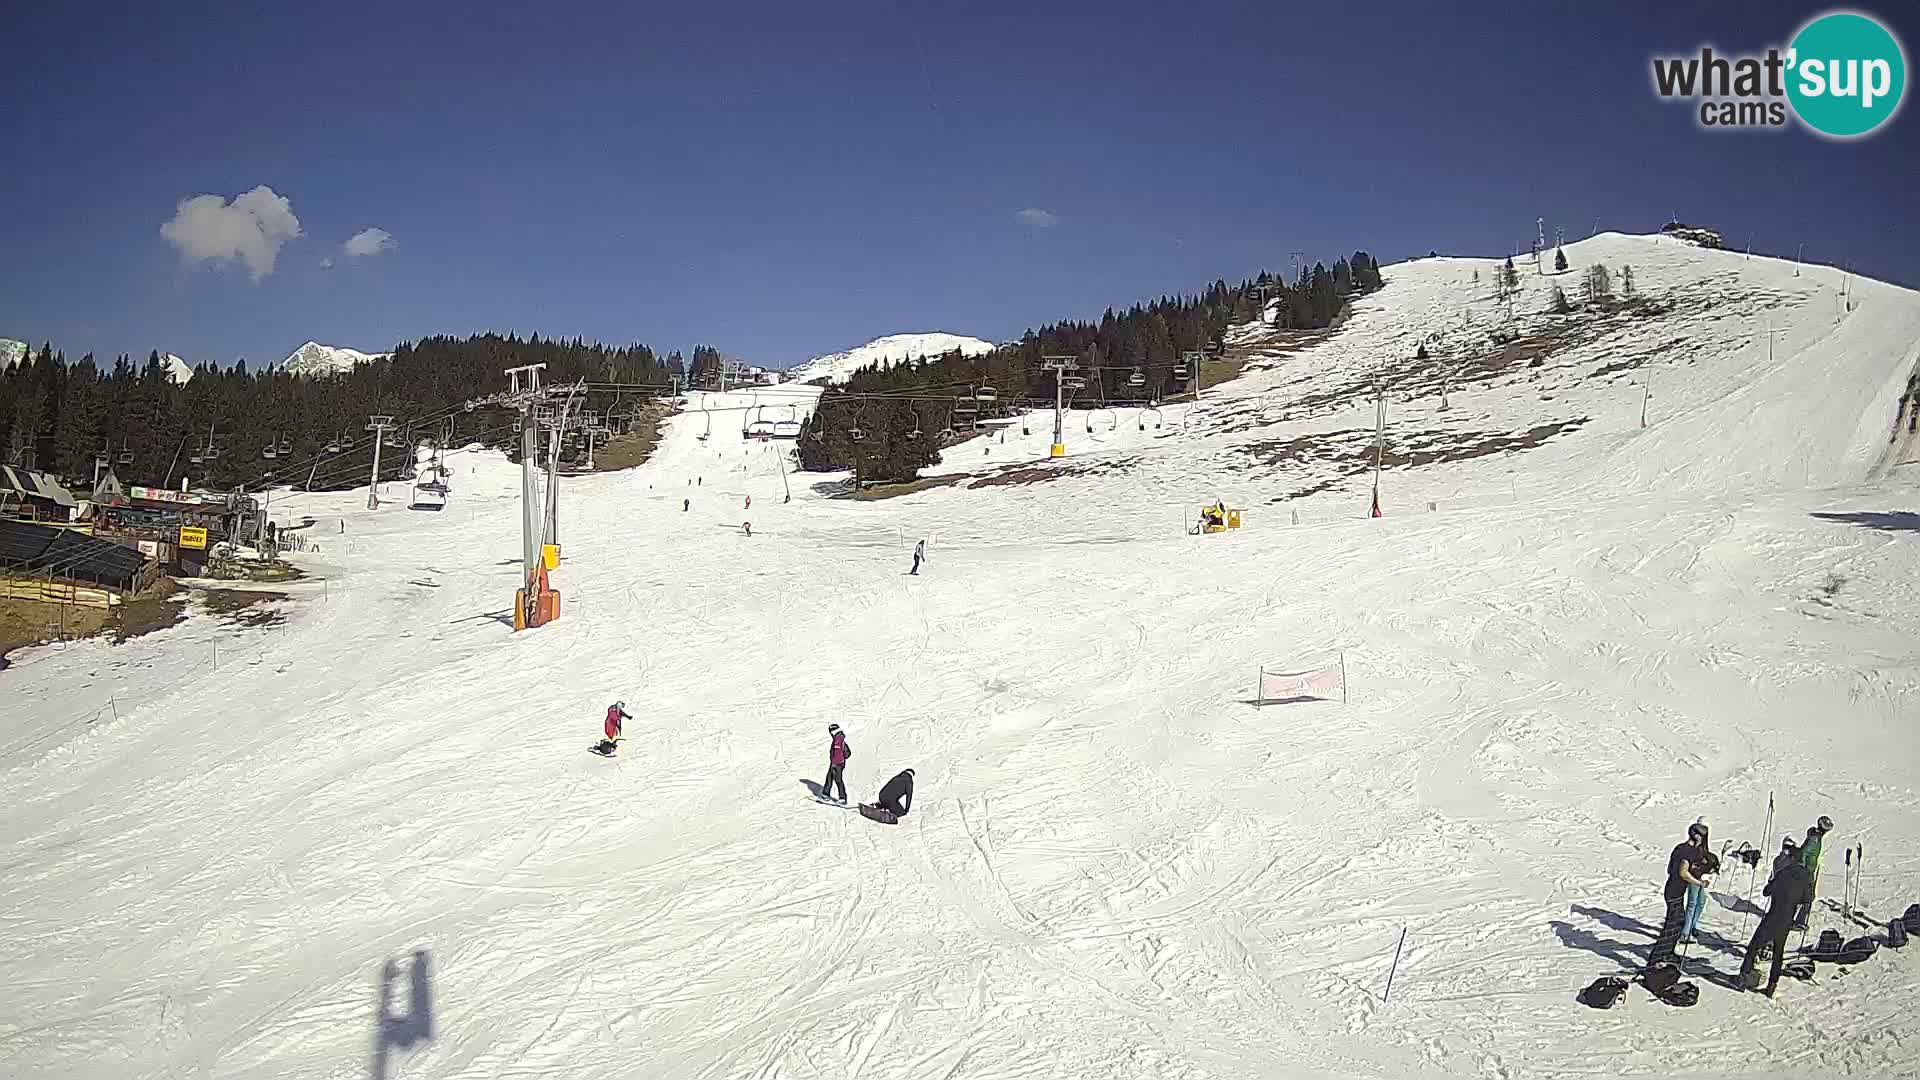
[616, 712]
[837, 754]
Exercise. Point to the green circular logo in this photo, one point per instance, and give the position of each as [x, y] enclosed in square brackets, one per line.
[1847, 74]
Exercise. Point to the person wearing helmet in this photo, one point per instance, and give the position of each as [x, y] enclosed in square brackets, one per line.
[896, 796]
[837, 754]
[616, 712]
[1789, 887]
[1697, 894]
[1684, 866]
[1810, 858]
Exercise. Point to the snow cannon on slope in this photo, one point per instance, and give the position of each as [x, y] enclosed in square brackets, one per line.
[1215, 518]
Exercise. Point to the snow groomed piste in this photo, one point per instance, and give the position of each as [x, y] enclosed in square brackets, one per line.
[367, 842]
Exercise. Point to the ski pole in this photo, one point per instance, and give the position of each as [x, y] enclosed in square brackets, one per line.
[1388, 995]
[1846, 888]
[1859, 871]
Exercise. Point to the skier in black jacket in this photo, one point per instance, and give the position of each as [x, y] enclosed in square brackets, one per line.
[897, 795]
[1790, 887]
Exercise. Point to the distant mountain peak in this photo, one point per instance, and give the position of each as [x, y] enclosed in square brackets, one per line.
[315, 359]
[883, 351]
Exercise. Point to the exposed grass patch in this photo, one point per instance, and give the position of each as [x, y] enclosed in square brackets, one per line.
[637, 446]
[1020, 475]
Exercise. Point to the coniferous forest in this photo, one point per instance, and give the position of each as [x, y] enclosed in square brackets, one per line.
[899, 437]
[61, 415]
[56, 415]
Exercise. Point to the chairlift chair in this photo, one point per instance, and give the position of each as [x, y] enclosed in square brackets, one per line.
[270, 451]
[126, 457]
[286, 445]
[986, 393]
[1138, 378]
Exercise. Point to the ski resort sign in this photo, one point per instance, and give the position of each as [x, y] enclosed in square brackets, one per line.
[1842, 76]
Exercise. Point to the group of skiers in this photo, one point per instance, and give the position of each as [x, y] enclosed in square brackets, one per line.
[896, 795]
[1789, 889]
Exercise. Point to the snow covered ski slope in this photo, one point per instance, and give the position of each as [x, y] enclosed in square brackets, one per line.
[368, 843]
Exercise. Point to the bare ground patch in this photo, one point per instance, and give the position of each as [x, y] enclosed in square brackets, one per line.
[243, 607]
[1350, 451]
[1021, 475]
[637, 446]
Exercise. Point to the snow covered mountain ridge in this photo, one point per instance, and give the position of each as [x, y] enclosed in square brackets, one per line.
[315, 359]
[891, 349]
[178, 370]
[10, 352]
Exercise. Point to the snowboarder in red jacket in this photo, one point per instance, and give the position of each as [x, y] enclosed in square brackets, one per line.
[837, 754]
[616, 712]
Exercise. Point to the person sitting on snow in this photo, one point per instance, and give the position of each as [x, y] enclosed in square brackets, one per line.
[897, 796]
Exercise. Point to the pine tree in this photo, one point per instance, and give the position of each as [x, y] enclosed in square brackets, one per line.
[1598, 283]
[1560, 305]
[1559, 261]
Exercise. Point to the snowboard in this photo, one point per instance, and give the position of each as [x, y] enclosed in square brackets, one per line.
[875, 813]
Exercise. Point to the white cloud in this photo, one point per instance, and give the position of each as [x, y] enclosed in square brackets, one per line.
[368, 242]
[1037, 218]
[250, 229]
[326, 263]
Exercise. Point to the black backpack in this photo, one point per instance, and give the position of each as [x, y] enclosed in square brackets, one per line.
[1857, 950]
[1896, 934]
[1829, 946]
[1800, 967]
[1912, 917]
[1680, 994]
[1660, 978]
[1603, 993]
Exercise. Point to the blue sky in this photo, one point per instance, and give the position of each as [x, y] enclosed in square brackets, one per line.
[782, 180]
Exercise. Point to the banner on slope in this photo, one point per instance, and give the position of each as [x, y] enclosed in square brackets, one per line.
[1295, 684]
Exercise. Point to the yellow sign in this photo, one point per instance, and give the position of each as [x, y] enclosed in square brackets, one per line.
[191, 537]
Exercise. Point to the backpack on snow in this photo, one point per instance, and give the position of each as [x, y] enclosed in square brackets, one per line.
[1680, 994]
[1800, 967]
[1857, 950]
[1896, 934]
[1912, 919]
[1829, 945]
[1660, 978]
[1603, 993]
